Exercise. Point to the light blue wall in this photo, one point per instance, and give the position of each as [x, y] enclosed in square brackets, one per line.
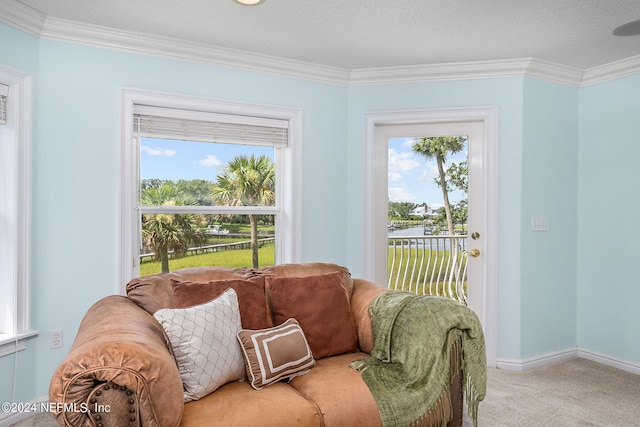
[608, 226]
[18, 50]
[550, 189]
[76, 189]
[76, 173]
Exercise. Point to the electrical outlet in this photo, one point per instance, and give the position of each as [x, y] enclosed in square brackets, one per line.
[55, 338]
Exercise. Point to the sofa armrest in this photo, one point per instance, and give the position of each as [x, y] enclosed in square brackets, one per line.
[119, 346]
[364, 292]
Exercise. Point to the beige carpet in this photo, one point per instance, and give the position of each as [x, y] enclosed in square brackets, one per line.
[574, 393]
[38, 420]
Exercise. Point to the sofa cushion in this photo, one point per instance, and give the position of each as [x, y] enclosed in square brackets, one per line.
[237, 404]
[339, 391]
[321, 305]
[203, 339]
[154, 292]
[251, 298]
[276, 353]
[341, 394]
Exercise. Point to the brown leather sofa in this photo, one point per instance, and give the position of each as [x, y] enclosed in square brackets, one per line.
[121, 371]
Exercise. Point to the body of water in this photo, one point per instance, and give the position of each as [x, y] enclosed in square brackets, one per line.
[432, 242]
[410, 231]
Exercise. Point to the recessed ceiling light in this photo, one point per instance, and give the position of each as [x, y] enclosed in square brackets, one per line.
[628, 29]
[249, 2]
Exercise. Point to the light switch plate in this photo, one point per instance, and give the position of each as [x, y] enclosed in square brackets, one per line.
[539, 223]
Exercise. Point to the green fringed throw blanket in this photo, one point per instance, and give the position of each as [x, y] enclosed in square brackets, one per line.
[410, 365]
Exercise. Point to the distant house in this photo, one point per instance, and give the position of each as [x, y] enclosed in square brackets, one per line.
[421, 210]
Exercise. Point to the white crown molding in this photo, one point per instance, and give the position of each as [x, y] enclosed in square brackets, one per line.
[437, 72]
[25, 18]
[554, 72]
[469, 70]
[613, 70]
[22, 17]
[93, 35]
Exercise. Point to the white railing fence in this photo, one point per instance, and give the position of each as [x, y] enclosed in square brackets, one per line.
[219, 247]
[429, 265]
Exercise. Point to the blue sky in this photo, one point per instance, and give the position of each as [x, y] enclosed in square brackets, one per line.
[174, 159]
[411, 176]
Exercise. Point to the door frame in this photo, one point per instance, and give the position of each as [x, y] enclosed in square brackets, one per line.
[375, 235]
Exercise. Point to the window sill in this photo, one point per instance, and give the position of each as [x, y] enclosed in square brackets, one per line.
[13, 343]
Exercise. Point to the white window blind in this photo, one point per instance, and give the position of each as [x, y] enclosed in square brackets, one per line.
[4, 92]
[159, 122]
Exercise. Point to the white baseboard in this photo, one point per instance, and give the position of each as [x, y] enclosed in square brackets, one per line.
[534, 362]
[35, 406]
[567, 354]
[624, 365]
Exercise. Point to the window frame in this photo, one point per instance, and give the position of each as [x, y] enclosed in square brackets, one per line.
[288, 180]
[15, 189]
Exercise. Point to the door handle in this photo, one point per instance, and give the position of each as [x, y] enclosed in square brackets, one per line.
[475, 252]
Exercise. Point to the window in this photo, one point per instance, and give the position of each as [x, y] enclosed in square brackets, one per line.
[187, 196]
[15, 218]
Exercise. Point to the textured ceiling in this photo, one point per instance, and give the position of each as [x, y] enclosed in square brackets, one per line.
[355, 34]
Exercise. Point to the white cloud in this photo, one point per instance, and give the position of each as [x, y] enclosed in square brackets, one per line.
[431, 170]
[395, 176]
[429, 173]
[401, 194]
[166, 152]
[210, 161]
[401, 162]
[408, 143]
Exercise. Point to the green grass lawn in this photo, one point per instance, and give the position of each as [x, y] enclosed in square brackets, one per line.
[233, 258]
[425, 283]
[434, 258]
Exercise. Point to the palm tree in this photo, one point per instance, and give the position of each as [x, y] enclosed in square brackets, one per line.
[246, 181]
[165, 233]
[438, 147]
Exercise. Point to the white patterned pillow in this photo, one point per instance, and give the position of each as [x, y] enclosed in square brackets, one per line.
[204, 343]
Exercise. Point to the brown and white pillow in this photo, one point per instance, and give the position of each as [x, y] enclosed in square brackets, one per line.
[274, 354]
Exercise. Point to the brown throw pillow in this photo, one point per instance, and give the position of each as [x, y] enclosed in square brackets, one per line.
[153, 292]
[321, 305]
[277, 353]
[251, 298]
